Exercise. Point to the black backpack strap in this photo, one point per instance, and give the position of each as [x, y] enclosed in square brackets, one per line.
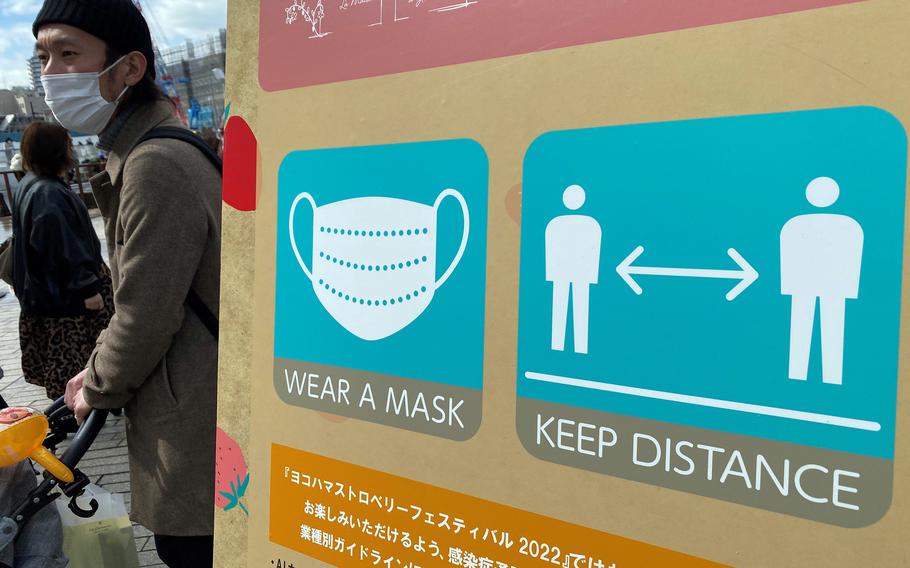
[184, 135]
[205, 315]
[193, 300]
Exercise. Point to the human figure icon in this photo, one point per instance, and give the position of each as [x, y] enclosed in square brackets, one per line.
[573, 264]
[820, 261]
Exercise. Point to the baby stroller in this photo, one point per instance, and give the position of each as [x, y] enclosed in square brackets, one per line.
[25, 434]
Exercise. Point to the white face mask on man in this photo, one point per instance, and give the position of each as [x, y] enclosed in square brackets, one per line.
[76, 101]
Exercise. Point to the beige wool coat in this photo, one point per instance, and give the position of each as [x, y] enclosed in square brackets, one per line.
[161, 201]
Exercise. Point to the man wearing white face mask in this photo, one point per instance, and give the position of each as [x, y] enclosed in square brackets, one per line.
[161, 200]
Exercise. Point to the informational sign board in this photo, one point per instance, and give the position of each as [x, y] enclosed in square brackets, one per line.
[689, 361]
[396, 285]
[593, 284]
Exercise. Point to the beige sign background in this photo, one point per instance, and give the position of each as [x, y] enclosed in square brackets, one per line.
[850, 55]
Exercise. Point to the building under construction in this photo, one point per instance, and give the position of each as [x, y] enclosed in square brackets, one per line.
[194, 71]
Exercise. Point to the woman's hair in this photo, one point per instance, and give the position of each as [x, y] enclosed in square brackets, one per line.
[46, 149]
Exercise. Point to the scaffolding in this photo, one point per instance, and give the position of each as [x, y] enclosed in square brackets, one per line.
[192, 74]
[196, 71]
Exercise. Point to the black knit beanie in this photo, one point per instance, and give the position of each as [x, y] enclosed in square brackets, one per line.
[119, 23]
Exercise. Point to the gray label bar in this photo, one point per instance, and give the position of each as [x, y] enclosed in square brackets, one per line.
[421, 406]
[832, 487]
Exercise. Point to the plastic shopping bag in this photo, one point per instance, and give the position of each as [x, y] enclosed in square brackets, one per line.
[103, 541]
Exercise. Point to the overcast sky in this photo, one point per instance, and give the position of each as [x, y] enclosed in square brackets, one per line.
[177, 20]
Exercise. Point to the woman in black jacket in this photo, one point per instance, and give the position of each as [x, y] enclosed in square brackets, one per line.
[63, 285]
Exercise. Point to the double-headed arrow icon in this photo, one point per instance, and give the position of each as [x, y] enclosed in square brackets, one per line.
[746, 274]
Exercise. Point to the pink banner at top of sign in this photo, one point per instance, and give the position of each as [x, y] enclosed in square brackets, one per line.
[311, 42]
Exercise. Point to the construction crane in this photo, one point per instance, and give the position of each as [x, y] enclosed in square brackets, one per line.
[164, 79]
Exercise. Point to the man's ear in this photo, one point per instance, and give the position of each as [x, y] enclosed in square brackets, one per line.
[136, 66]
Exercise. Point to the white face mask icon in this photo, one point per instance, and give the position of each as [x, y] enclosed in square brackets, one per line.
[76, 101]
[374, 260]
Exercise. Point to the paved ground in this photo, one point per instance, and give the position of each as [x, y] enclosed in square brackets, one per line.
[106, 462]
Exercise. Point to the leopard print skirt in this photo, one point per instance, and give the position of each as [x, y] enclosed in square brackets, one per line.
[54, 350]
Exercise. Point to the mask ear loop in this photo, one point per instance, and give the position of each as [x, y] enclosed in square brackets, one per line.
[123, 92]
[111, 66]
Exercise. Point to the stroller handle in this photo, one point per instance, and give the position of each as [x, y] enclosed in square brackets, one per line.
[86, 434]
[60, 473]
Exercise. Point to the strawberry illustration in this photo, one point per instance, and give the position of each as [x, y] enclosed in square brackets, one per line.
[231, 476]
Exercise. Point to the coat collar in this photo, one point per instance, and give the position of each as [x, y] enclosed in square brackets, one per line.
[29, 176]
[18, 192]
[142, 120]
